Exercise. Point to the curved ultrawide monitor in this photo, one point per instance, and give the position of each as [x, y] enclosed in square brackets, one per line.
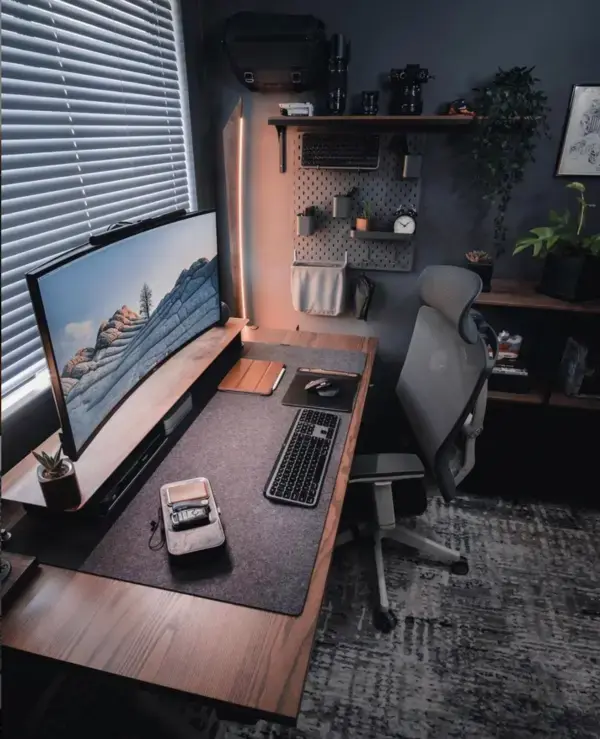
[109, 315]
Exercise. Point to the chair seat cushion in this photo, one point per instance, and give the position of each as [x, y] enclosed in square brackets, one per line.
[385, 467]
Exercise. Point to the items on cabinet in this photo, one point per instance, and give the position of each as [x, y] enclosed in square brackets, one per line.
[580, 369]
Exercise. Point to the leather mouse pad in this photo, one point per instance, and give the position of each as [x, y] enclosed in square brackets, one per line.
[343, 402]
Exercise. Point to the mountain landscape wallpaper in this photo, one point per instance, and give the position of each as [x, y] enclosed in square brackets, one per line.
[106, 340]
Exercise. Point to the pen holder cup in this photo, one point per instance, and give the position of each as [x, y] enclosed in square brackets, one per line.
[305, 225]
[342, 206]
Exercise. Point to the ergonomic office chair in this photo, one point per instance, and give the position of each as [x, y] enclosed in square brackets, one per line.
[443, 393]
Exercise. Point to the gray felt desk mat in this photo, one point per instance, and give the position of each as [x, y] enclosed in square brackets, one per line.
[271, 548]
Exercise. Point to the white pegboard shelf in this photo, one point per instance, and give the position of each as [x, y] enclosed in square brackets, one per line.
[385, 191]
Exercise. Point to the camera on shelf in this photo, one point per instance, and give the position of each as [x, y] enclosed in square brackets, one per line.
[406, 98]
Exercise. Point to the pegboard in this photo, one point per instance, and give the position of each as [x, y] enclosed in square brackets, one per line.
[384, 190]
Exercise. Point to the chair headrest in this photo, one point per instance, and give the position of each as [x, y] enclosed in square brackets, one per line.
[451, 291]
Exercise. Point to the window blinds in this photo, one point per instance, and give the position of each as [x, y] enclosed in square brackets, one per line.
[93, 132]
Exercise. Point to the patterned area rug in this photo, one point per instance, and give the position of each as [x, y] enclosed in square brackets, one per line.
[511, 650]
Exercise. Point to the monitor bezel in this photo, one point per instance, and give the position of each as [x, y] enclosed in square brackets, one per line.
[106, 240]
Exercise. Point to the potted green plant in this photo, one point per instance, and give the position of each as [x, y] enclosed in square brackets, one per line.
[482, 264]
[572, 266]
[363, 220]
[56, 475]
[511, 116]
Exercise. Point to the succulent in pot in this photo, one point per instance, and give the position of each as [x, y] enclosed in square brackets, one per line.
[363, 222]
[481, 263]
[58, 481]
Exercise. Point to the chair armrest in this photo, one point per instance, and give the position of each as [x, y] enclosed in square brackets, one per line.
[385, 467]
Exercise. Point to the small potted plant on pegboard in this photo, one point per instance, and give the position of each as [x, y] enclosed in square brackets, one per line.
[482, 264]
[363, 222]
[58, 481]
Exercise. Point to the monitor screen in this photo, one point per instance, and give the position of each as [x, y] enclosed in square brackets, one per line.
[109, 315]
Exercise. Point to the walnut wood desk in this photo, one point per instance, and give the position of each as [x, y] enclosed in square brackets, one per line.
[249, 659]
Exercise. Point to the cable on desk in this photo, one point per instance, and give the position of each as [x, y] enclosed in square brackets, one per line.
[155, 526]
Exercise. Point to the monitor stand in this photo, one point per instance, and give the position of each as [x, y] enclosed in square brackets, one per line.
[135, 439]
[129, 478]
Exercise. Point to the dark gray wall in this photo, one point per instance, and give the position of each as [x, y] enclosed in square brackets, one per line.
[462, 43]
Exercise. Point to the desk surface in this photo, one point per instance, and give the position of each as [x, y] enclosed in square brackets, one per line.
[229, 654]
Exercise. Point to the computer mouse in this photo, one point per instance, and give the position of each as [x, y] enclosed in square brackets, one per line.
[323, 387]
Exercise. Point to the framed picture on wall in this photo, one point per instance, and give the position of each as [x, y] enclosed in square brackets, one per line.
[579, 153]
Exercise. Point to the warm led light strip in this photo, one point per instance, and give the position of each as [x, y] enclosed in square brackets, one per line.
[240, 206]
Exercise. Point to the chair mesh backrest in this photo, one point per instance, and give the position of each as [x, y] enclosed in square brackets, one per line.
[445, 368]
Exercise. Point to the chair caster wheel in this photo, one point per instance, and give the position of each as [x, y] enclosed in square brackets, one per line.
[384, 621]
[460, 568]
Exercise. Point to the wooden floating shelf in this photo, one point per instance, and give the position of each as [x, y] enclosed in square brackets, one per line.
[373, 123]
[386, 122]
[379, 236]
[515, 294]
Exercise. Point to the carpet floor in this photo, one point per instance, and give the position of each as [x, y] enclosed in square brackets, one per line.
[510, 651]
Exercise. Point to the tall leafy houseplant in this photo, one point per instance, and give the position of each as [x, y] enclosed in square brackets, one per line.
[572, 266]
[511, 116]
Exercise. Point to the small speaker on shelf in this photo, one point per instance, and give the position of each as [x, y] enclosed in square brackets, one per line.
[225, 314]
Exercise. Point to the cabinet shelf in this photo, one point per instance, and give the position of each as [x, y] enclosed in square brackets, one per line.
[533, 397]
[538, 397]
[569, 401]
[516, 294]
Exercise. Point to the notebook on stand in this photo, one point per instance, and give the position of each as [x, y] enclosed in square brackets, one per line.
[255, 376]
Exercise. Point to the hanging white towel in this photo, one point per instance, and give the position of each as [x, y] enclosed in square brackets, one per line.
[319, 288]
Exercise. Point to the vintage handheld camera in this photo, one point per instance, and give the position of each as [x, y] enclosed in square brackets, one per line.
[406, 98]
[188, 516]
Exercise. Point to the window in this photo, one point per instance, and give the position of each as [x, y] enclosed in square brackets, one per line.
[94, 131]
